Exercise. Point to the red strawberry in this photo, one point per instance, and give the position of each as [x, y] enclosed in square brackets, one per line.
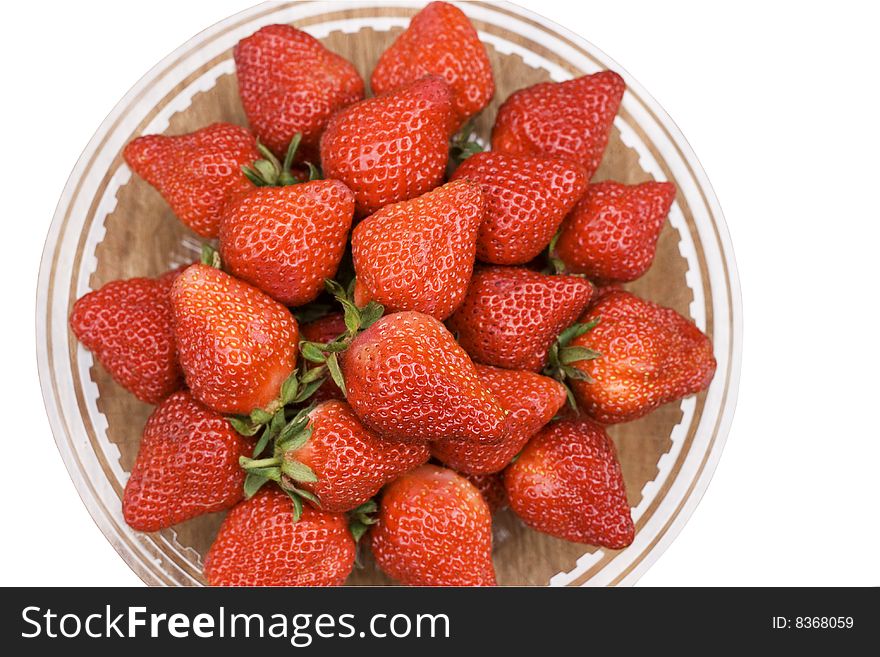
[287, 240]
[290, 83]
[187, 465]
[338, 460]
[602, 290]
[237, 346]
[570, 120]
[127, 325]
[407, 379]
[441, 41]
[491, 487]
[531, 401]
[567, 483]
[512, 315]
[324, 329]
[259, 544]
[321, 331]
[527, 197]
[611, 235]
[650, 355]
[419, 254]
[198, 173]
[434, 529]
[391, 148]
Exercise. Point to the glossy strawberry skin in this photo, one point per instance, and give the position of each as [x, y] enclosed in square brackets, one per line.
[527, 198]
[434, 529]
[128, 326]
[570, 120]
[259, 544]
[391, 148]
[408, 380]
[236, 345]
[197, 173]
[289, 83]
[567, 483]
[440, 41]
[323, 330]
[287, 240]
[187, 465]
[651, 356]
[419, 254]
[611, 235]
[491, 487]
[531, 401]
[351, 462]
[511, 315]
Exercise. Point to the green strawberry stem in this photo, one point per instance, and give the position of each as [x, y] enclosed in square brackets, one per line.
[563, 355]
[254, 464]
[554, 262]
[286, 437]
[271, 172]
[356, 320]
[297, 389]
[210, 256]
[359, 521]
[463, 145]
[361, 518]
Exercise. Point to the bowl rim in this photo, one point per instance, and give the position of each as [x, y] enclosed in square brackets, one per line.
[48, 265]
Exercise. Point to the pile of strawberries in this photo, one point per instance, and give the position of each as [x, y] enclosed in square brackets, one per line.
[398, 333]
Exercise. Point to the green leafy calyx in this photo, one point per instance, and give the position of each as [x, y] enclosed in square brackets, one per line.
[563, 356]
[271, 172]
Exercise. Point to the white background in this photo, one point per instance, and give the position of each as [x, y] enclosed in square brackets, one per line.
[780, 102]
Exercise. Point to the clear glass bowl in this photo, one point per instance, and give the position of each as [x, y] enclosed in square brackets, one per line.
[109, 225]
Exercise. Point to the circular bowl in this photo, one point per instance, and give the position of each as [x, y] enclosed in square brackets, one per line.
[111, 225]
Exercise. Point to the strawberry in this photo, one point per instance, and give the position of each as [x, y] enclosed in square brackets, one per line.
[289, 83]
[127, 325]
[602, 290]
[259, 544]
[407, 379]
[491, 487]
[527, 197]
[434, 529]
[287, 240]
[187, 465]
[611, 235]
[441, 41]
[570, 120]
[336, 460]
[567, 483]
[512, 315]
[531, 401]
[323, 330]
[419, 254]
[650, 355]
[391, 148]
[237, 346]
[197, 173]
